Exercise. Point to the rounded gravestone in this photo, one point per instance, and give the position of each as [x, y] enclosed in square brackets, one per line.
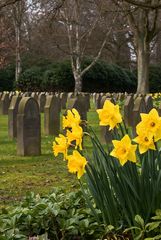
[28, 128]
[52, 115]
[12, 116]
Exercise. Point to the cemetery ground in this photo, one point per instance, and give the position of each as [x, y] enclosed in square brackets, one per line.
[39, 174]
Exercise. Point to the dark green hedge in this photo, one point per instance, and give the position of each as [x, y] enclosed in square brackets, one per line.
[102, 77]
[58, 77]
[155, 78]
[7, 78]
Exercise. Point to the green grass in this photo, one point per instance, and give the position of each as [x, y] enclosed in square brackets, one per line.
[39, 174]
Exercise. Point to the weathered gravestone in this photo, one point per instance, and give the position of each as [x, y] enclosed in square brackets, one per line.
[42, 101]
[121, 96]
[1, 95]
[98, 101]
[94, 98]
[28, 128]
[139, 107]
[128, 110]
[87, 100]
[4, 104]
[34, 95]
[12, 117]
[63, 98]
[52, 115]
[148, 103]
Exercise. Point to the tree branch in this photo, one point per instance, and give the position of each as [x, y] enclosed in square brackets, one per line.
[143, 4]
[7, 3]
[100, 51]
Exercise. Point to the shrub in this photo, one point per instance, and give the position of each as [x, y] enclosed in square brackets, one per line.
[30, 79]
[96, 79]
[155, 78]
[7, 76]
[59, 215]
[61, 76]
[102, 77]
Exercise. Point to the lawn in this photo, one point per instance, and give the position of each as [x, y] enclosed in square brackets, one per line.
[39, 174]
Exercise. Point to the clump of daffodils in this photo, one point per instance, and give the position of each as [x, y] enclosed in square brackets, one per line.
[74, 135]
[125, 180]
[148, 133]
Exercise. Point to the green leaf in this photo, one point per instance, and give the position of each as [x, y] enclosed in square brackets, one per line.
[153, 225]
[139, 221]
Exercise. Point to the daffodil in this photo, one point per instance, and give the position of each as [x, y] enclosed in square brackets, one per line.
[109, 115]
[152, 123]
[145, 142]
[76, 163]
[124, 150]
[72, 118]
[60, 145]
[76, 134]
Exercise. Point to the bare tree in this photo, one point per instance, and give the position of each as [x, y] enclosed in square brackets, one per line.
[80, 19]
[144, 25]
[5, 3]
[151, 4]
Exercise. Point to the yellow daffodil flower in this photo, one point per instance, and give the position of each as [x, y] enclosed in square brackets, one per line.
[76, 163]
[72, 118]
[124, 150]
[75, 135]
[109, 115]
[145, 142]
[152, 123]
[60, 146]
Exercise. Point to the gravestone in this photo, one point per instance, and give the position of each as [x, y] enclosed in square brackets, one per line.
[121, 96]
[148, 103]
[1, 95]
[42, 101]
[28, 128]
[139, 107]
[86, 97]
[70, 95]
[4, 104]
[63, 98]
[12, 117]
[128, 110]
[34, 95]
[98, 101]
[52, 115]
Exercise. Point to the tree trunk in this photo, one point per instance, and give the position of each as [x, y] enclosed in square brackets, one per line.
[78, 82]
[143, 65]
[18, 56]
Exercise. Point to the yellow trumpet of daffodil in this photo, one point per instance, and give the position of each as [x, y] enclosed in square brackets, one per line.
[152, 123]
[60, 145]
[72, 118]
[124, 150]
[76, 163]
[109, 115]
[75, 135]
[145, 141]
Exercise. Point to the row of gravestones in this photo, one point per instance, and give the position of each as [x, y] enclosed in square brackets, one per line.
[5, 99]
[24, 116]
[24, 119]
